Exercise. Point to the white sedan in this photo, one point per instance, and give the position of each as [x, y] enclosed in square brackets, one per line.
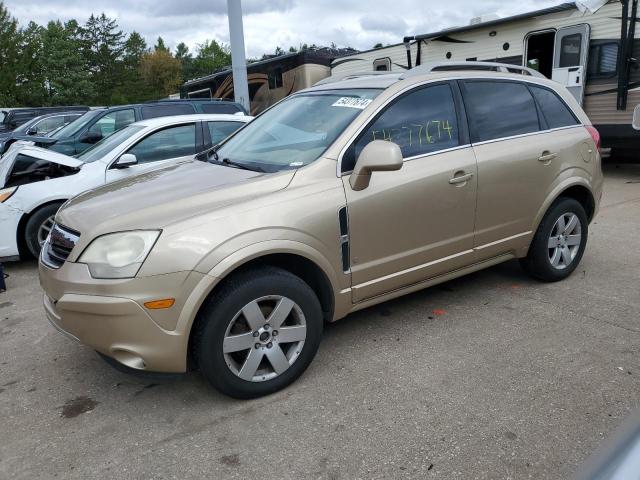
[35, 182]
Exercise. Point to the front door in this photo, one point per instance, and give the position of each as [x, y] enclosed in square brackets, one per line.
[415, 223]
[168, 145]
[570, 58]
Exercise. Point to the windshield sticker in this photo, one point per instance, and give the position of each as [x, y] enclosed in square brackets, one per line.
[296, 164]
[352, 102]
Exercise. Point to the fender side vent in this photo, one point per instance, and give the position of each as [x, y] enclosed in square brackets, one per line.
[344, 238]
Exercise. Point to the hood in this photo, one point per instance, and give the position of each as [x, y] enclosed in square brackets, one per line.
[40, 157]
[164, 196]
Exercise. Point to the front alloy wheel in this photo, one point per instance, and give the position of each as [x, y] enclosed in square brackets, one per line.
[258, 332]
[264, 338]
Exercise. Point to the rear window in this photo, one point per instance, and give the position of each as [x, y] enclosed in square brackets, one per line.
[554, 110]
[499, 109]
[155, 111]
[220, 108]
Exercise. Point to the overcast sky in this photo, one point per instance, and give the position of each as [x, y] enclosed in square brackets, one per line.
[270, 23]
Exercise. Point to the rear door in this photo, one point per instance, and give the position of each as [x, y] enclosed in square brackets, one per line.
[570, 58]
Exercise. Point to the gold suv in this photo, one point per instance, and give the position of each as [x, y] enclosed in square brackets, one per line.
[337, 198]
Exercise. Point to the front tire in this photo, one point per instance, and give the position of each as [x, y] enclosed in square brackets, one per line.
[258, 333]
[559, 242]
[38, 227]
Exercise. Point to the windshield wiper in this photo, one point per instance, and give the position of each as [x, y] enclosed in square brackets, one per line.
[231, 163]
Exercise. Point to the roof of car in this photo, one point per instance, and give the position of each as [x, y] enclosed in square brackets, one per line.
[211, 117]
[387, 80]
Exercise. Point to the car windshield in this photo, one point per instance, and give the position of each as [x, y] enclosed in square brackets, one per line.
[74, 127]
[297, 131]
[100, 149]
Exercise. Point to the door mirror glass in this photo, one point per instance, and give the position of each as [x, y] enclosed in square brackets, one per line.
[377, 156]
[32, 131]
[126, 160]
[91, 137]
[636, 118]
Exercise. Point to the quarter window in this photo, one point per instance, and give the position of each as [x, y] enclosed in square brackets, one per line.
[499, 109]
[422, 121]
[554, 110]
[172, 142]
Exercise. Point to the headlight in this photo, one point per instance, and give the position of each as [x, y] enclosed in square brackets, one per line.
[118, 255]
[5, 193]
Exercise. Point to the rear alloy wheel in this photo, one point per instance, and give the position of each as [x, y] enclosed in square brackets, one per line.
[258, 332]
[38, 227]
[559, 242]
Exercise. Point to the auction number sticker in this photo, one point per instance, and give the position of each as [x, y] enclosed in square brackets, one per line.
[352, 102]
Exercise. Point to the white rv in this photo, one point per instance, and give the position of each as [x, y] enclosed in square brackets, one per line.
[589, 46]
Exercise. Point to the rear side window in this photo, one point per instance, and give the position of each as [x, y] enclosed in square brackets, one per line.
[155, 111]
[220, 108]
[221, 130]
[422, 121]
[499, 109]
[554, 110]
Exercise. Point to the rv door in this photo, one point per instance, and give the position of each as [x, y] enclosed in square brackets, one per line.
[570, 58]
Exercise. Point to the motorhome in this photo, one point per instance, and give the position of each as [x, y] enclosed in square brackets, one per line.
[270, 80]
[589, 46]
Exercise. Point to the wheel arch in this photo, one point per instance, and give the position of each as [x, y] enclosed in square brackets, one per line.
[22, 224]
[576, 188]
[304, 266]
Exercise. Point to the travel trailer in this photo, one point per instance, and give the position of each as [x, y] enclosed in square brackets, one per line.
[590, 47]
[270, 80]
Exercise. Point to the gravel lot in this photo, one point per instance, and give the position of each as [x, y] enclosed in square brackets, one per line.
[489, 376]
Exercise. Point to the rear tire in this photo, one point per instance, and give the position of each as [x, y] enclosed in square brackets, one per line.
[559, 242]
[258, 333]
[38, 227]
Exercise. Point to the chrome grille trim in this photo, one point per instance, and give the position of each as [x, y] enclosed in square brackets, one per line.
[58, 246]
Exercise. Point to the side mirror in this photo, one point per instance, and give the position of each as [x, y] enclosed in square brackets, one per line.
[377, 156]
[91, 137]
[636, 118]
[126, 160]
[32, 131]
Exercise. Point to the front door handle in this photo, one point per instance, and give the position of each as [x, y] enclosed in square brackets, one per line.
[547, 156]
[461, 178]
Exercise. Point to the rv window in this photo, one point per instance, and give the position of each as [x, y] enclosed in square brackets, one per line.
[554, 110]
[570, 47]
[499, 109]
[275, 78]
[603, 60]
[382, 64]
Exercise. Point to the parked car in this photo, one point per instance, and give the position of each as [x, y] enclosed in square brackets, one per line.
[337, 198]
[41, 126]
[34, 182]
[14, 117]
[100, 123]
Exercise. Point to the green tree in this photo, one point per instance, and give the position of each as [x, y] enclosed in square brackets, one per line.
[186, 59]
[104, 46]
[378, 45]
[9, 41]
[210, 57]
[30, 81]
[160, 45]
[134, 88]
[67, 78]
[161, 72]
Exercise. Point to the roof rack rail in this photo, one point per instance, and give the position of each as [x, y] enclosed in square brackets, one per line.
[452, 66]
[347, 76]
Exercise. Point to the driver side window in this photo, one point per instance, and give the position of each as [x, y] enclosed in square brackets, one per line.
[172, 142]
[421, 122]
[113, 122]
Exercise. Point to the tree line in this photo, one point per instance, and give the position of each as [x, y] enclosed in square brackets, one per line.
[95, 63]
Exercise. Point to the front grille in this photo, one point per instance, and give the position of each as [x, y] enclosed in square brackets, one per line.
[58, 246]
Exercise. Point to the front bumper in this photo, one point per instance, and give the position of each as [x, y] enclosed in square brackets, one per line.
[110, 317]
[9, 220]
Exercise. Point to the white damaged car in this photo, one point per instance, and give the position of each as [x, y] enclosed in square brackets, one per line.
[35, 182]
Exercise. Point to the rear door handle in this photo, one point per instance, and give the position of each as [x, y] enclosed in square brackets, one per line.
[461, 179]
[547, 156]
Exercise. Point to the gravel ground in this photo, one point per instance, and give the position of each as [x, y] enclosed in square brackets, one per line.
[488, 376]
